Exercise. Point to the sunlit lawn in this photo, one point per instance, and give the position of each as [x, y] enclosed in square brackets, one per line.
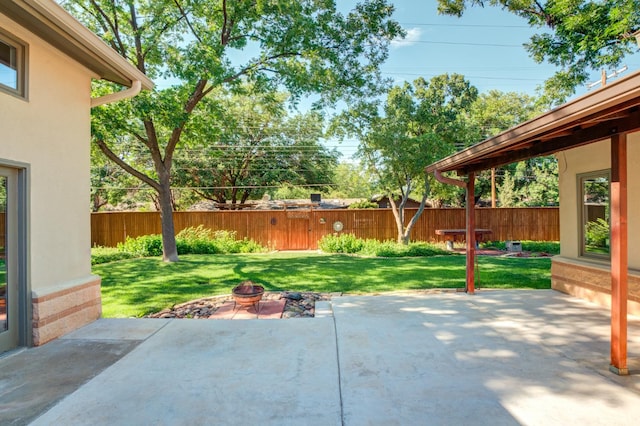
[136, 287]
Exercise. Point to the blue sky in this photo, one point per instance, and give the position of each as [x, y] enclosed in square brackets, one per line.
[484, 45]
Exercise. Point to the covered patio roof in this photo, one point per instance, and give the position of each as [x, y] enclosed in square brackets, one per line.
[610, 112]
[612, 109]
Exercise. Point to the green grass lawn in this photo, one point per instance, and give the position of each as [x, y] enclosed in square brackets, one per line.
[136, 287]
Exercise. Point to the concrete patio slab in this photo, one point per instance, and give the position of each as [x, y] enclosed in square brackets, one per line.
[119, 329]
[216, 372]
[34, 380]
[516, 357]
[495, 358]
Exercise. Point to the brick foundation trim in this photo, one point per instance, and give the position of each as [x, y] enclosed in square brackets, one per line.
[63, 311]
[592, 282]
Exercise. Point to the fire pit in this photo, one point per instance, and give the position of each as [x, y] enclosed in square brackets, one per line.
[247, 293]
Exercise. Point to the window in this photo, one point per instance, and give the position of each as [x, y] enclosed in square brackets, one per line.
[12, 66]
[594, 213]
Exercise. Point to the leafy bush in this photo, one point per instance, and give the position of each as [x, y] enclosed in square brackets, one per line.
[343, 243]
[108, 254]
[364, 204]
[424, 250]
[143, 246]
[198, 240]
[550, 247]
[348, 243]
[597, 233]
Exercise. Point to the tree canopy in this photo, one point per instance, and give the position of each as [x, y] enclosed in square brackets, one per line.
[259, 148]
[418, 124]
[578, 36]
[192, 47]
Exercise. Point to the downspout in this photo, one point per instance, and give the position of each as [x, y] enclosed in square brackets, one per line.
[132, 91]
[470, 223]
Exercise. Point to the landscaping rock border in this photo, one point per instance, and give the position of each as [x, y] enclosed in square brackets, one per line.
[298, 305]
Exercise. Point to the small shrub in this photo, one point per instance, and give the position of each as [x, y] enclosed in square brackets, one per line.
[549, 247]
[250, 246]
[198, 240]
[597, 233]
[364, 204]
[225, 241]
[195, 233]
[382, 248]
[348, 243]
[143, 246]
[108, 254]
[424, 249]
[343, 243]
[193, 240]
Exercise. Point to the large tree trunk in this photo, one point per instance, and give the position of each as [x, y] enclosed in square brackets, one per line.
[169, 248]
[398, 215]
[414, 219]
[404, 233]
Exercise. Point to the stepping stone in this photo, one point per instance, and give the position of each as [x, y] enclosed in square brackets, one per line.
[268, 309]
[271, 309]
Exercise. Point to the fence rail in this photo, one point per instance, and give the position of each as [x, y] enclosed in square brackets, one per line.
[302, 229]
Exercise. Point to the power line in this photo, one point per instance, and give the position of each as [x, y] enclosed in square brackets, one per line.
[468, 76]
[455, 43]
[308, 185]
[429, 24]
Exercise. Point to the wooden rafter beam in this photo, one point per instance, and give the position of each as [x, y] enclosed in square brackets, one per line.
[579, 137]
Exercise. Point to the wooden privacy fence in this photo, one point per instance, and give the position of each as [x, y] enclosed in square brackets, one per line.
[302, 229]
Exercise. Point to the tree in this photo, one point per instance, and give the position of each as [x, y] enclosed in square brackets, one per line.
[258, 147]
[507, 195]
[539, 177]
[492, 113]
[419, 124]
[352, 180]
[110, 185]
[197, 46]
[578, 36]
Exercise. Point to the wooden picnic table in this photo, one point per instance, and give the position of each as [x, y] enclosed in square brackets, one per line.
[453, 233]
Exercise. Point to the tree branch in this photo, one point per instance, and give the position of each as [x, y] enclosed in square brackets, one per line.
[136, 37]
[186, 17]
[117, 43]
[194, 99]
[126, 167]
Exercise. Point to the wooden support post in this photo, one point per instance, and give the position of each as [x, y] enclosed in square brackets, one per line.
[493, 188]
[619, 254]
[471, 233]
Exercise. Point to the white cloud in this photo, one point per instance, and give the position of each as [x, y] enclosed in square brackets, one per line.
[413, 35]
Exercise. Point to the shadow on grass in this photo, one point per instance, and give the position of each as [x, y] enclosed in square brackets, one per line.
[139, 286]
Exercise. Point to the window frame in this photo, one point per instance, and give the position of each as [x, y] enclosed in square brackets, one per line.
[580, 179]
[22, 50]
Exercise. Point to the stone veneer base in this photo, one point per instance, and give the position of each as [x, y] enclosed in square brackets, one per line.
[60, 312]
[592, 281]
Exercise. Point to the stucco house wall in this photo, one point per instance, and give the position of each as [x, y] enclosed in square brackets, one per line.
[50, 132]
[585, 276]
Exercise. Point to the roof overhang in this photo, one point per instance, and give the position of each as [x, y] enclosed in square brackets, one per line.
[612, 109]
[56, 26]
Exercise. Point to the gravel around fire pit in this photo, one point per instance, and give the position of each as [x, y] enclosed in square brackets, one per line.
[298, 305]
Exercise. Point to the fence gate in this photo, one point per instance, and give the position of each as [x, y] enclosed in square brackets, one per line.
[298, 228]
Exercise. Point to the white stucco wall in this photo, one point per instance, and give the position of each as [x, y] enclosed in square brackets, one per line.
[50, 131]
[589, 158]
